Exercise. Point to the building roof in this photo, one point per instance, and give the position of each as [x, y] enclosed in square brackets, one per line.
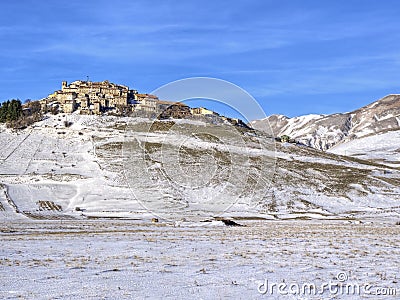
[171, 103]
[105, 83]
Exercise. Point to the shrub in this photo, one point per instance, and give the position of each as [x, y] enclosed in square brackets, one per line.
[67, 123]
[54, 110]
[285, 138]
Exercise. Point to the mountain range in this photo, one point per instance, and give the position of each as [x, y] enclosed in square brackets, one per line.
[372, 127]
[325, 131]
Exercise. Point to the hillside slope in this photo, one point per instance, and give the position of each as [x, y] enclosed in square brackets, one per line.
[174, 169]
[381, 148]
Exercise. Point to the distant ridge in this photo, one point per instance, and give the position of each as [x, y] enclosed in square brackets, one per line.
[326, 131]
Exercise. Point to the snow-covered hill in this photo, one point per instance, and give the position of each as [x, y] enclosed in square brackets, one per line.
[382, 148]
[136, 168]
[325, 131]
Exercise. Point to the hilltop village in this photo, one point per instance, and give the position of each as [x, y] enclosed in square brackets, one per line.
[102, 98]
[89, 97]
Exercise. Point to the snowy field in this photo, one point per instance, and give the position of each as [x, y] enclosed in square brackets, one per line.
[207, 260]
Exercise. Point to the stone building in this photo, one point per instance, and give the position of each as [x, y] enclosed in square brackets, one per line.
[145, 102]
[84, 95]
[202, 111]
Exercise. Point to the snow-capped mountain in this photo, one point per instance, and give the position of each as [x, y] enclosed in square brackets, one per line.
[325, 131]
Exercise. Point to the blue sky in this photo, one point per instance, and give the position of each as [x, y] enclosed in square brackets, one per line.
[293, 57]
